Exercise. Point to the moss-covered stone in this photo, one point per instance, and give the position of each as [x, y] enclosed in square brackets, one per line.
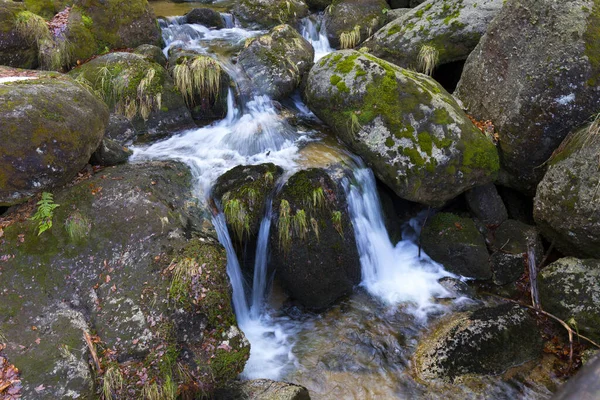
[277, 62]
[50, 127]
[138, 88]
[349, 22]
[15, 50]
[269, 13]
[570, 289]
[312, 240]
[487, 341]
[405, 126]
[456, 243]
[548, 69]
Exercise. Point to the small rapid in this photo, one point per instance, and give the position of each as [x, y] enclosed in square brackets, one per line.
[393, 273]
[313, 30]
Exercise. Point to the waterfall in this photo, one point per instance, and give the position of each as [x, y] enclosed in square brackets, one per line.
[394, 274]
[313, 30]
[535, 299]
[259, 283]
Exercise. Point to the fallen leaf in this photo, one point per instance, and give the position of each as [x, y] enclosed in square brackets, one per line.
[114, 288]
[107, 279]
[40, 388]
[38, 341]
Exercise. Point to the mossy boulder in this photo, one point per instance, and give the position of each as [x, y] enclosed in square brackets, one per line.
[15, 50]
[570, 288]
[403, 124]
[205, 16]
[132, 258]
[486, 204]
[269, 13]
[152, 53]
[312, 240]
[566, 205]
[140, 89]
[50, 127]
[206, 97]
[511, 243]
[452, 28]
[349, 22]
[456, 243]
[318, 5]
[536, 76]
[487, 341]
[242, 193]
[277, 62]
[121, 130]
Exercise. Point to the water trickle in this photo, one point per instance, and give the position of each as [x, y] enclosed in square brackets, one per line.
[313, 30]
[395, 274]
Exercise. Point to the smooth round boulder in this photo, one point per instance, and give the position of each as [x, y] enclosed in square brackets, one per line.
[567, 202]
[487, 341]
[451, 28]
[536, 76]
[570, 289]
[349, 22]
[50, 127]
[267, 14]
[133, 86]
[313, 247]
[205, 16]
[277, 62]
[405, 126]
[456, 243]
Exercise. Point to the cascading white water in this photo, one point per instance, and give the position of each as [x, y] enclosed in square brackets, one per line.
[259, 283]
[395, 274]
[313, 30]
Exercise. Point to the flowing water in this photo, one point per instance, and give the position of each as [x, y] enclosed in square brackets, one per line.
[362, 347]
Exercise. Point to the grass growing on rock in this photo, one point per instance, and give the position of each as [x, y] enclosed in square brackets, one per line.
[427, 59]
[199, 76]
[349, 40]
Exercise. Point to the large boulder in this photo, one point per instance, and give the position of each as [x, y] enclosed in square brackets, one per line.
[535, 75]
[487, 341]
[242, 193]
[277, 62]
[451, 28]
[456, 243]
[486, 204]
[205, 16]
[269, 13]
[49, 127]
[404, 125]
[349, 22]
[566, 206]
[570, 289]
[15, 49]
[139, 89]
[133, 259]
[313, 248]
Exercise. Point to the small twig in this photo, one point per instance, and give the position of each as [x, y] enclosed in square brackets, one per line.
[88, 341]
[422, 227]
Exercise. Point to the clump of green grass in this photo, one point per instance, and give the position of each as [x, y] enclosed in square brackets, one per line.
[355, 125]
[32, 27]
[183, 272]
[284, 225]
[315, 227]
[300, 224]
[44, 212]
[318, 198]
[167, 391]
[237, 217]
[427, 59]
[112, 382]
[198, 77]
[336, 220]
[349, 40]
[77, 226]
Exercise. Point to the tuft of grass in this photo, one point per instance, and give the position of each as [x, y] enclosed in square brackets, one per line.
[198, 77]
[284, 225]
[182, 274]
[112, 382]
[349, 40]
[77, 226]
[269, 177]
[32, 27]
[355, 125]
[300, 224]
[167, 391]
[427, 59]
[146, 101]
[318, 198]
[45, 212]
[336, 220]
[238, 217]
[315, 227]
